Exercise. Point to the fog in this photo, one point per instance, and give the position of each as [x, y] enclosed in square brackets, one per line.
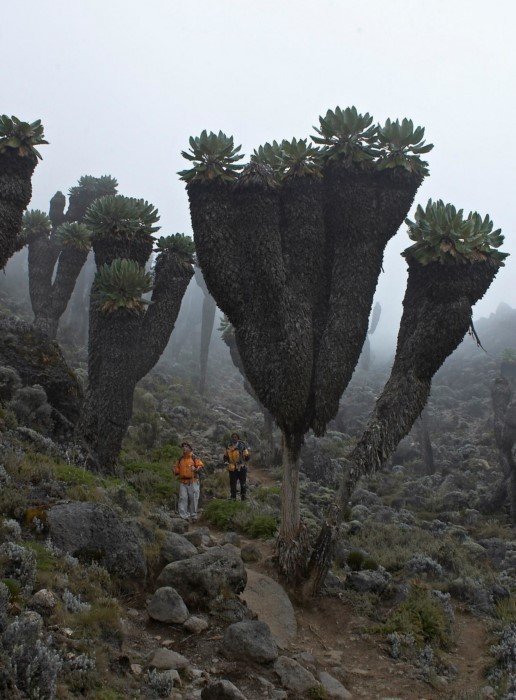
[121, 85]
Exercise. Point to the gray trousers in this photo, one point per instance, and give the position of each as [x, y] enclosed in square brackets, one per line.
[188, 499]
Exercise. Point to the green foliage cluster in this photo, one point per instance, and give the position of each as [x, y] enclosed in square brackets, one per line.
[509, 355]
[343, 135]
[94, 187]
[292, 158]
[358, 561]
[21, 136]
[116, 215]
[241, 516]
[74, 235]
[179, 244]
[401, 145]
[153, 480]
[35, 223]
[347, 134]
[121, 285]
[442, 234]
[214, 156]
[421, 616]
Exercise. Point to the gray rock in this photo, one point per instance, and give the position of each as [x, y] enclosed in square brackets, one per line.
[166, 605]
[92, 531]
[334, 688]
[167, 659]
[250, 639]
[195, 625]
[176, 547]
[199, 537]
[231, 538]
[38, 360]
[178, 525]
[293, 676]
[369, 581]
[221, 690]
[200, 579]
[43, 602]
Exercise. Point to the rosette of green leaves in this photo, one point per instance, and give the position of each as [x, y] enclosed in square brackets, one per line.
[35, 223]
[116, 215]
[179, 244]
[94, 186]
[121, 286]
[346, 134]
[226, 328]
[21, 136]
[269, 154]
[214, 157]
[442, 234]
[74, 235]
[401, 146]
[298, 157]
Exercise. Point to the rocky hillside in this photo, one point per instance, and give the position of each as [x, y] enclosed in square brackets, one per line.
[106, 594]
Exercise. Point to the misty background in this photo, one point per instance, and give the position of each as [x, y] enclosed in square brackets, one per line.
[121, 85]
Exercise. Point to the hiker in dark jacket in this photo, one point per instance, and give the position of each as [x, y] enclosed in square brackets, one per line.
[236, 457]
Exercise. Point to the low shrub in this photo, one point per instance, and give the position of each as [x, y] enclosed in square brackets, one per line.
[221, 513]
[420, 616]
[240, 516]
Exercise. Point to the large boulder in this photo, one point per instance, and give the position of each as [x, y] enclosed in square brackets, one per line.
[293, 676]
[250, 639]
[39, 360]
[92, 531]
[176, 547]
[200, 579]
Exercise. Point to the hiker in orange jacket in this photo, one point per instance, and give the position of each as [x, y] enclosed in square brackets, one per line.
[187, 471]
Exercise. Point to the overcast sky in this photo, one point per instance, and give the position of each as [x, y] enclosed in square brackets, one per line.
[120, 85]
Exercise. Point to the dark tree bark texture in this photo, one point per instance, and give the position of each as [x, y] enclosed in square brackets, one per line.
[15, 194]
[295, 268]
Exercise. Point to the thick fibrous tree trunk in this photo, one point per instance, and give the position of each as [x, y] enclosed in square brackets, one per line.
[437, 311]
[294, 267]
[76, 320]
[504, 409]
[209, 308]
[123, 347]
[15, 194]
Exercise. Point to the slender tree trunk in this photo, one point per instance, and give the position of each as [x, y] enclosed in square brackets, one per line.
[425, 444]
[292, 541]
[208, 319]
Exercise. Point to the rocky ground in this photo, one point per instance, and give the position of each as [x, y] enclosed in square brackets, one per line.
[105, 594]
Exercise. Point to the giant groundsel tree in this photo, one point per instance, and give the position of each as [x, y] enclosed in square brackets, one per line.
[127, 333]
[451, 265]
[58, 248]
[18, 158]
[291, 248]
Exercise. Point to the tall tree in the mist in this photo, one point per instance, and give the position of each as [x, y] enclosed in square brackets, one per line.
[18, 158]
[504, 409]
[228, 336]
[450, 267]
[365, 357]
[209, 308]
[291, 249]
[58, 248]
[127, 334]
